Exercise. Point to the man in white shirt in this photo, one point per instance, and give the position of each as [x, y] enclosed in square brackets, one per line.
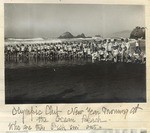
[127, 44]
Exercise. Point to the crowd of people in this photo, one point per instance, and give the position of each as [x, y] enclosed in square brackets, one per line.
[112, 50]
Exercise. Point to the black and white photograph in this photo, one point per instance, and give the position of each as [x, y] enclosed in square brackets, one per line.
[74, 53]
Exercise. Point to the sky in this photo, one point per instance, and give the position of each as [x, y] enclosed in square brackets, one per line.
[51, 20]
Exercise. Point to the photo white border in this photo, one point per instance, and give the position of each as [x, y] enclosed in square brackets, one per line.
[141, 120]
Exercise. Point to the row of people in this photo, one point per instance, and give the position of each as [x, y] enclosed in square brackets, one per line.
[106, 50]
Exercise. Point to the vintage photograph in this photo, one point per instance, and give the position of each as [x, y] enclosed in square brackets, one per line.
[74, 53]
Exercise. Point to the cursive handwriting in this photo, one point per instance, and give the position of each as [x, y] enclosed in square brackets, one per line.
[51, 117]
